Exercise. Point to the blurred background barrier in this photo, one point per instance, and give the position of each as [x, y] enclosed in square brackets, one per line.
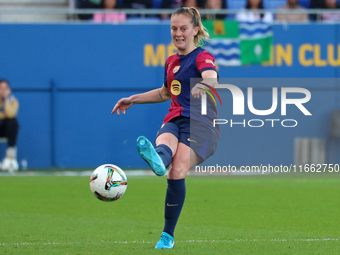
[68, 77]
[152, 10]
[309, 151]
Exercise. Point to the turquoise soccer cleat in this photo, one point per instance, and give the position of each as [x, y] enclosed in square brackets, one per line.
[149, 154]
[166, 242]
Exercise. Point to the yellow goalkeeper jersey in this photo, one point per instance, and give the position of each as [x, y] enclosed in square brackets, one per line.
[9, 107]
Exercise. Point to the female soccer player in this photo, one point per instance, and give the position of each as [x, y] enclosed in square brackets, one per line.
[177, 147]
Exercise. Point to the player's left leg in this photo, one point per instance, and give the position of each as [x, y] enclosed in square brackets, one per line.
[197, 142]
[184, 159]
[10, 127]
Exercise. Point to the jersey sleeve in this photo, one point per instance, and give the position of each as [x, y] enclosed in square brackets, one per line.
[205, 61]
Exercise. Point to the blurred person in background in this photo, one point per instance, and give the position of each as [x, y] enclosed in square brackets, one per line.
[191, 3]
[109, 17]
[292, 17]
[175, 4]
[88, 4]
[317, 4]
[331, 17]
[9, 126]
[138, 4]
[253, 16]
[215, 5]
[170, 4]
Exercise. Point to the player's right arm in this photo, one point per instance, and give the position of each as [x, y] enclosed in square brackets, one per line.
[152, 96]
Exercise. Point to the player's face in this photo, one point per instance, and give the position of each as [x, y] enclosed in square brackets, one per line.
[331, 3]
[214, 4]
[183, 33]
[254, 4]
[110, 4]
[4, 89]
[292, 2]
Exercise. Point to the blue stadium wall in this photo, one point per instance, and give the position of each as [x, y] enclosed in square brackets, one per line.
[68, 77]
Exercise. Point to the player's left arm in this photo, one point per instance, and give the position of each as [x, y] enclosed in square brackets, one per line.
[11, 107]
[205, 63]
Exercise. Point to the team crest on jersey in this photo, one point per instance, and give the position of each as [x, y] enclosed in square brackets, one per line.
[209, 61]
[176, 68]
[176, 87]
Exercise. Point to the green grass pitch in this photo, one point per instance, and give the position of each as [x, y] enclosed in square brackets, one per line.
[59, 215]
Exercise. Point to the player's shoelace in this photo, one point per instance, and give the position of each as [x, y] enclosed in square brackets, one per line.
[166, 240]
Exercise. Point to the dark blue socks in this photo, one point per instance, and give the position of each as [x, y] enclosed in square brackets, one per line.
[175, 193]
[174, 200]
[165, 153]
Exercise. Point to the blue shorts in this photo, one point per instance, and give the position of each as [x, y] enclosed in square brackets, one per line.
[195, 134]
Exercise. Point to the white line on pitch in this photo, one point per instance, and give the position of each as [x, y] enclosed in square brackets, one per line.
[187, 241]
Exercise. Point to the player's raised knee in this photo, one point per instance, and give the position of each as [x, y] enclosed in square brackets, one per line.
[177, 172]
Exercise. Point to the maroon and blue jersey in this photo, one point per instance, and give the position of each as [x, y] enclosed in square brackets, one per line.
[179, 69]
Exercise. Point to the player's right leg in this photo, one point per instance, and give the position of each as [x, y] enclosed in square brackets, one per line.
[159, 158]
[9, 129]
[150, 156]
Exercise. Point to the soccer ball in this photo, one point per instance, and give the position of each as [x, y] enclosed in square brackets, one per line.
[9, 165]
[108, 183]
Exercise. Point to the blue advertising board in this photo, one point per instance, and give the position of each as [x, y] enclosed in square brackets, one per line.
[68, 77]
